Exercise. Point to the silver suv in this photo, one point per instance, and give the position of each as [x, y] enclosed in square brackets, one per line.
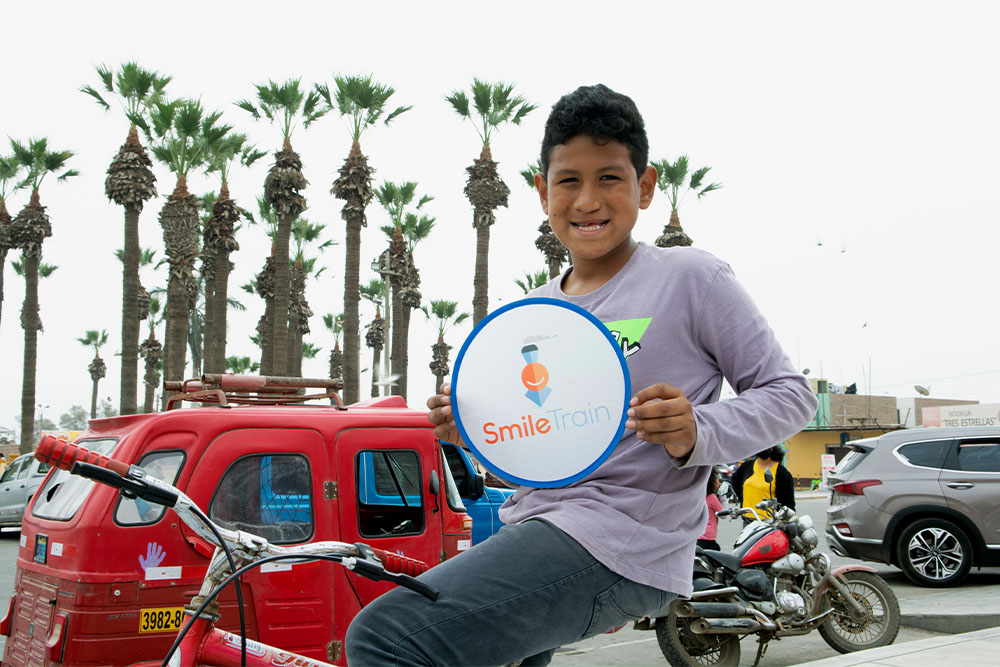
[17, 485]
[926, 500]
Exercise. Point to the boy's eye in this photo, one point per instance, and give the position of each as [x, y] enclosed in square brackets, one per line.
[610, 177]
[568, 179]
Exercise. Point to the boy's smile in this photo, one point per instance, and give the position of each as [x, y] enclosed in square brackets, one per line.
[592, 197]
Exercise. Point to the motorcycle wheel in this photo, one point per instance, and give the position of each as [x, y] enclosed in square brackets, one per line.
[683, 648]
[880, 625]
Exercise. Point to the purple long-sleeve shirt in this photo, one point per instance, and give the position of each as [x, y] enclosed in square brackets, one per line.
[682, 319]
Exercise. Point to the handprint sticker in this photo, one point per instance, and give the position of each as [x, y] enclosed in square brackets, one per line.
[154, 556]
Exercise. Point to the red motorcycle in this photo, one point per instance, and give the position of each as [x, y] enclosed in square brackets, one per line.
[775, 584]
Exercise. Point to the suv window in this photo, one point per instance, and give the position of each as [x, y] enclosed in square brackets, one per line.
[268, 495]
[979, 455]
[851, 460]
[12, 470]
[389, 493]
[163, 465]
[62, 494]
[925, 454]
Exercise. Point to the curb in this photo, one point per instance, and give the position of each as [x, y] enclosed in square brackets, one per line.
[951, 624]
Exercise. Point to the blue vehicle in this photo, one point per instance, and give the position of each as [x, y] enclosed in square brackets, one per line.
[390, 480]
[481, 502]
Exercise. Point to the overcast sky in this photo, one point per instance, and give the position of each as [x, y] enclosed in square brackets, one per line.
[857, 144]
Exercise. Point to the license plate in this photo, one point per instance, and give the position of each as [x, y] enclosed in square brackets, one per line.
[161, 619]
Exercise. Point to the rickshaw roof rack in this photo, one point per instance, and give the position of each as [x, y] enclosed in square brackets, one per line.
[226, 389]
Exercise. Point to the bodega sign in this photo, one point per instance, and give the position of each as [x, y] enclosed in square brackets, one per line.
[539, 392]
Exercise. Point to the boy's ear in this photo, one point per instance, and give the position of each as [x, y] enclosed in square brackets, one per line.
[543, 191]
[647, 186]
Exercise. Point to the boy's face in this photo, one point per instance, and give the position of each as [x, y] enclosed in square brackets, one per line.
[592, 197]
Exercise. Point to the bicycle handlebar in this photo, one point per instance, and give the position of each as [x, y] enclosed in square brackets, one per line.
[132, 481]
[62, 454]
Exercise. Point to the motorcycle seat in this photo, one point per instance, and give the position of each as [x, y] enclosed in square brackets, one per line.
[729, 561]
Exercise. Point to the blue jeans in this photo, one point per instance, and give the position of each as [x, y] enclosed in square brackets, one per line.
[521, 594]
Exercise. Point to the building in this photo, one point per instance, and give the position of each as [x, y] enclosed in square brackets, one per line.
[842, 417]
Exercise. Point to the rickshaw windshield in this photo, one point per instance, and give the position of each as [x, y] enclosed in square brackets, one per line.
[63, 494]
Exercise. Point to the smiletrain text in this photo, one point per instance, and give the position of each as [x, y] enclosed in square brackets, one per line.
[533, 425]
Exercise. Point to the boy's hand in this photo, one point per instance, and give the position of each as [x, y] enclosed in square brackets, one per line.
[441, 416]
[663, 415]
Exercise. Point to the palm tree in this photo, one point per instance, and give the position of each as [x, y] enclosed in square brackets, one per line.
[494, 104]
[444, 311]
[362, 100]
[218, 242]
[29, 228]
[283, 104]
[550, 246]
[241, 365]
[183, 135]
[8, 172]
[532, 280]
[263, 286]
[407, 230]
[336, 326]
[96, 339]
[305, 234]
[374, 291]
[130, 183]
[671, 180]
[152, 353]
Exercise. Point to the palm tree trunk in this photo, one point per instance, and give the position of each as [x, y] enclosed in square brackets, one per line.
[219, 311]
[404, 340]
[376, 352]
[352, 320]
[130, 315]
[29, 321]
[282, 282]
[93, 401]
[266, 349]
[396, 354]
[480, 284]
[209, 324]
[150, 382]
[353, 186]
[176, 334]
[3, 260]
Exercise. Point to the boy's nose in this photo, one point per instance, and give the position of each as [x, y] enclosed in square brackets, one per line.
[587, 200]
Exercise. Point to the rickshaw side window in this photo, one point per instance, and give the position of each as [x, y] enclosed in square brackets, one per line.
[63, 494]
[390, 500]
[269, 495]
[163, 465]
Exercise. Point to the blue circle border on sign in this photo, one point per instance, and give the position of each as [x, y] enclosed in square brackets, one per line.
[532, 301]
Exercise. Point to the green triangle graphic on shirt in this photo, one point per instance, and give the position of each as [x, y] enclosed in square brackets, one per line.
[630, 330]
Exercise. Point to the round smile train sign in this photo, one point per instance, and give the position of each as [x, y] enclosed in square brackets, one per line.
[539, 392]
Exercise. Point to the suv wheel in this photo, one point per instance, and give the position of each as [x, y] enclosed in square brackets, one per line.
[934, 552]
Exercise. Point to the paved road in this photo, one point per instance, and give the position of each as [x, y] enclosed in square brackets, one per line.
[632, 647]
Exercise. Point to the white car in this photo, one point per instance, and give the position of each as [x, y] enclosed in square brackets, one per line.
[17, 485]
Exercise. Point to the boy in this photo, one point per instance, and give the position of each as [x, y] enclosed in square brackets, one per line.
[579, 560]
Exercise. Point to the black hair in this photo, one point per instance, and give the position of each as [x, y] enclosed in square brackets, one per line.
[775, 453]
[712, 477]
[601, 114]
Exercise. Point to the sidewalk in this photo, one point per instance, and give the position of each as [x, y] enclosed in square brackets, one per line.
[970, 648]
[969, 615]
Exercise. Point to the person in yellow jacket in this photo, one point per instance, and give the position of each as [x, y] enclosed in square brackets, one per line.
[751, 487]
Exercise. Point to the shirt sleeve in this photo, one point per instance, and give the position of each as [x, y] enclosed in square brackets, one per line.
[714, 504]
[773, 400]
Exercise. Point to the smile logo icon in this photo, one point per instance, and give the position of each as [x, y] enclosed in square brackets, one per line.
[535, 376]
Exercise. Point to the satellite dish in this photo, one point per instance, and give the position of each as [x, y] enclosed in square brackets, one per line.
[923, 391]
[805, 371]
